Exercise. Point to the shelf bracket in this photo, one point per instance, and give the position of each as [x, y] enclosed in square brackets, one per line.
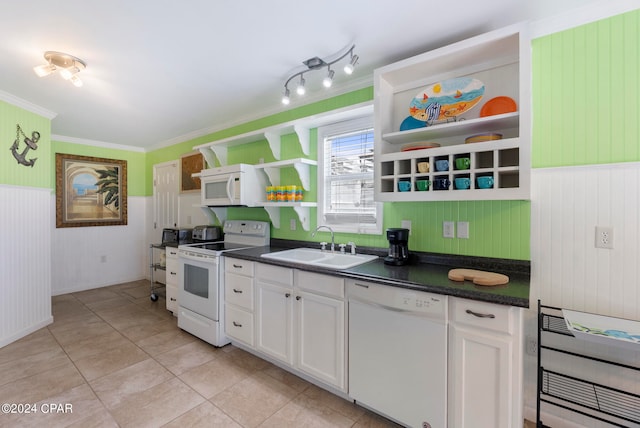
[273, 174]
[213, 213]
[210, 154]
[274, 143]
[303, 172]
[303, 138]
[303, 216]
[274, 215]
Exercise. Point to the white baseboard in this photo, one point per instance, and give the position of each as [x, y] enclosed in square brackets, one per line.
[22, 333]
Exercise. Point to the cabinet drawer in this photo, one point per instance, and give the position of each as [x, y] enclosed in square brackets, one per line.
[171, 253]
[172, 271]
[239, 325]
[239, 290]
[241, 267]
[483, 315]
[274, 274]
[172, 299]
[322, 284]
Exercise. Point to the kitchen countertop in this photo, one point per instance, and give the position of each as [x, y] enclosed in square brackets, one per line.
[420, 275]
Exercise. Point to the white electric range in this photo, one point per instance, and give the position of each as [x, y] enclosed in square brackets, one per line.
[201, 279]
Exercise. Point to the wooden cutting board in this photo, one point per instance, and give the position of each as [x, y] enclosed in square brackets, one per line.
[479, 277]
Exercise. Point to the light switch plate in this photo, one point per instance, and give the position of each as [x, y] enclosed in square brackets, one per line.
[448, 229]
[463, 229]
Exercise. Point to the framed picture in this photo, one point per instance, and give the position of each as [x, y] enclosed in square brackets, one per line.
[90, 191]
[189, 164]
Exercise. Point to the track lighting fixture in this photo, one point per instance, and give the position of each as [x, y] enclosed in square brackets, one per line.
[68, 65]
[317, 63]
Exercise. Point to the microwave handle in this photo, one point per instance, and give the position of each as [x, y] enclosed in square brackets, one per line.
[229, 185]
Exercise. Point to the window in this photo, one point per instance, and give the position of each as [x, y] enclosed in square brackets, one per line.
[345, 178]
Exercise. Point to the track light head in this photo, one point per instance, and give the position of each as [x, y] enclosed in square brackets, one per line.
[349, 67]
[285, 98]
[328, 80]
[300, 90]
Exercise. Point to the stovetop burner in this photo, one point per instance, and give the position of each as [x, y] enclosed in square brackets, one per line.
[216, 246]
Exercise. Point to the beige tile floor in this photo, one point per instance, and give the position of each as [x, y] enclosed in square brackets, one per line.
[120, 360]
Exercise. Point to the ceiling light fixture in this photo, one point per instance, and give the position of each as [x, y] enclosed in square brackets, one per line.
[68, 65]
[317, 63]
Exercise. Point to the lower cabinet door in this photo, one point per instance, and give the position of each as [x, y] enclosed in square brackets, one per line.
[480, 379]
[274, 321]
[321, 337]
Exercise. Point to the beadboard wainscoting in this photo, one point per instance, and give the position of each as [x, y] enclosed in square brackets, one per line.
[568, 271]
[89, 257]
[25, 264]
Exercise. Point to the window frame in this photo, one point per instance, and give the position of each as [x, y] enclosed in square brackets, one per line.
[338, 128]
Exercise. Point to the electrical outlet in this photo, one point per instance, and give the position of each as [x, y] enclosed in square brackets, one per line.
[292, 224]
[463, 229]
[531, 346]
[448, 229]
[604, 237]
[406, 224]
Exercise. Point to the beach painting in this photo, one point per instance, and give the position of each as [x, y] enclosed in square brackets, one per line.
[446, 99]
[90, 191]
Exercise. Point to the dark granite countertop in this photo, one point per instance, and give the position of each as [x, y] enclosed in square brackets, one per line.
[426, 272]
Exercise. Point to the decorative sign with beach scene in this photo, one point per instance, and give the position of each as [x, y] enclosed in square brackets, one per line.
[90, 191]
[442, 101]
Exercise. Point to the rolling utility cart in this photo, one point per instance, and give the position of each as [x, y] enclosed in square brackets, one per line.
[156, 264]
[580, 394]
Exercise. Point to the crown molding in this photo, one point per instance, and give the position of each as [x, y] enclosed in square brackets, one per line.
[27, 105]
[94, 143]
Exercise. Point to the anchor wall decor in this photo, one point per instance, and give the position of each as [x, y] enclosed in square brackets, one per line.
[31, 144]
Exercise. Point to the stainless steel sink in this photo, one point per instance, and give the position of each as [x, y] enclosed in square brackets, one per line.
[326, 259]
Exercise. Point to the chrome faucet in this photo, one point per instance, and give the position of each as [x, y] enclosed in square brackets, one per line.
[333, 245]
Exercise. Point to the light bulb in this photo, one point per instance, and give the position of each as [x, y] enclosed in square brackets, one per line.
[328, 80]
[285, 98]
[300, 89]
[44, 70]
[76, 81]
[67, 73]
[349, 67]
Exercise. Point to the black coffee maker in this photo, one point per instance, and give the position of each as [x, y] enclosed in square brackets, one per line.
[398, 247]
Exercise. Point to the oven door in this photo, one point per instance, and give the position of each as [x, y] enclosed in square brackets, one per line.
[199, 291]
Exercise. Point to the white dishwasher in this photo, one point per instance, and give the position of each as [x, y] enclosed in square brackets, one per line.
[398, 353]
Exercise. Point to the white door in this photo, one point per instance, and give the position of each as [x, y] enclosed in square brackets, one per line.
[321, 347]
[165, 195]
[480, 379]
[274, 325]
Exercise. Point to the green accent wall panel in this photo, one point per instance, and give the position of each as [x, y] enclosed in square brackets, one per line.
[135, 162]
[586, 94]
[13, 173]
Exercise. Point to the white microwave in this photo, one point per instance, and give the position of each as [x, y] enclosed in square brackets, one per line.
[231, 185]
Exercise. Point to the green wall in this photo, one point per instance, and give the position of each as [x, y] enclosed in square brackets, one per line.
[497, 228]
[136, 162]
[586, 94]
[13, 173]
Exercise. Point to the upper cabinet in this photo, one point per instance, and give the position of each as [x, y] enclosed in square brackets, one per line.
[426, 108]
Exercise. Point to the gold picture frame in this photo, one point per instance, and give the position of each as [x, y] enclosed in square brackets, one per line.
[190, 164]
[90, 191]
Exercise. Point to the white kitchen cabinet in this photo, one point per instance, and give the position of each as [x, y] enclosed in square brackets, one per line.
[485, 365]
[274, 289]
[320, 311]
[501, 61]
[172, 281]
[239, 300]
[300, 321]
